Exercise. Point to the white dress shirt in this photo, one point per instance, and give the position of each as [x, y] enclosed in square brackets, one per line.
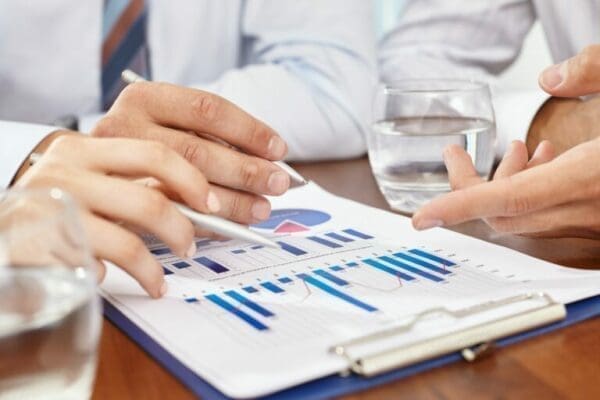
[304, 67]
[474, 39]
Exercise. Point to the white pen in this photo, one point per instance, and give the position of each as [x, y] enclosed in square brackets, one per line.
[296, 179]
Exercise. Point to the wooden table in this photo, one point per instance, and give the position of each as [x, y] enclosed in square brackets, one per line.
[558, 365]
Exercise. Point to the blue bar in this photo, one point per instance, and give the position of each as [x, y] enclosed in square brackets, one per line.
[237, 312]
[387, 269]
[285, 279]
[250, 289]
[212, 265]
[422, 263]
[167, 272]
[160, 251]
[336, 268]
[414, 270]
[432, 257]
[204, 242]
[239, 251]
[324, 242]
[249, 303]
[339, 237]
[258, 246]
[352, 264]
[334, 292]
[291, 249]
[272, 287]
[181, 264]
[357, 234]
[330, 277]
[191, 300]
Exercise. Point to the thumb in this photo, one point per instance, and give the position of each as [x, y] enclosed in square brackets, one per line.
[577, 76]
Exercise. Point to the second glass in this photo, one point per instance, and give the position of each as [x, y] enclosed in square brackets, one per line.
[414, 121]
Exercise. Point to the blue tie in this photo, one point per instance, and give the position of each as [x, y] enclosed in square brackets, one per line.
[124, 45]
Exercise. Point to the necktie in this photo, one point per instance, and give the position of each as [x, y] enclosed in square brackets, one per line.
[124, 45]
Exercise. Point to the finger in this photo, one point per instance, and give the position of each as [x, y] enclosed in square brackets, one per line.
[522, 193]
[140, 158]
[238, 206]
[577, 76]
[121, 247]
[583, 216]
[545, 152]
[461, 171]
[225, 166]
[245, 208]
[514, 160]
[122, 200]
[200, 111]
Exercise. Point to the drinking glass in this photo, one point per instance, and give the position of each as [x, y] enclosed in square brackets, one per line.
[413, 121]
[50, 317]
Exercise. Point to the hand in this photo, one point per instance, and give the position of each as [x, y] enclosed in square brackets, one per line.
[203, 127]
[97, 172]
[542, 196]
[567, 122]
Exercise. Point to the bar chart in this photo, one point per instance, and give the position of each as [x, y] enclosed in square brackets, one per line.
[344, 269]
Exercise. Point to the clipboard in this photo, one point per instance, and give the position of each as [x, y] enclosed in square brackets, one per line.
[546, 318]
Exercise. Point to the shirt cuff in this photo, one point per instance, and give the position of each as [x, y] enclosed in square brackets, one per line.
[17, 140]
[515, 111]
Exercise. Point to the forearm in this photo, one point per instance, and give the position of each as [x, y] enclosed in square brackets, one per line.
[564, 122]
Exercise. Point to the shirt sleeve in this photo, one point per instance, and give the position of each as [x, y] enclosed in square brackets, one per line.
[309, 69]
[17, 140]
[465, 39]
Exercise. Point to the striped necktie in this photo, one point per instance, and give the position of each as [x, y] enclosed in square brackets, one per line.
[124, 45]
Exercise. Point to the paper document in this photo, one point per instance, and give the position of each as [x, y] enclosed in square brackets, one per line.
[253, 320]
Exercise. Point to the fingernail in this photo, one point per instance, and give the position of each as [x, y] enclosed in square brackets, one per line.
[552, 76]
[277, 147]
[213, 203]
[191, 251]
[261, 210]
[428, 224]
[163, 289]
[278, 182]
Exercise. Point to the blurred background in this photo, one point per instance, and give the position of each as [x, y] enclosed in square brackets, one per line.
[522, 74]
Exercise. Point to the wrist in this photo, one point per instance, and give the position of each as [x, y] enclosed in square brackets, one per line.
[40, 148]
[561, 121]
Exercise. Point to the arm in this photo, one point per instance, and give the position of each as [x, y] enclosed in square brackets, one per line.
[466, 39]
[310, 69]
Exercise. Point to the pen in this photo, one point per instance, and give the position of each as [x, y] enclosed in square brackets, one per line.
[296, 179]
[212, 223]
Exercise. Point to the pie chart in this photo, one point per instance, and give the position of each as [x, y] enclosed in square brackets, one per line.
[290, 220]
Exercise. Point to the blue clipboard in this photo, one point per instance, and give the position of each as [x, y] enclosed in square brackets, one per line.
[334, 385]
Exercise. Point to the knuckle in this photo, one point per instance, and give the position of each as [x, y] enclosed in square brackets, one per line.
[133, 92]
[502, 225]
[154, 205]
[517, 204]
[159, 153]
[196, 154]
[586, 64]
[132, 249]
[109, 126]
[236, 208]
[206, 107]
[248, 173]
[64, 144]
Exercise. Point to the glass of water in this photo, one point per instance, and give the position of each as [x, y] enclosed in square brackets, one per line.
[414, 120]
[50, 316]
